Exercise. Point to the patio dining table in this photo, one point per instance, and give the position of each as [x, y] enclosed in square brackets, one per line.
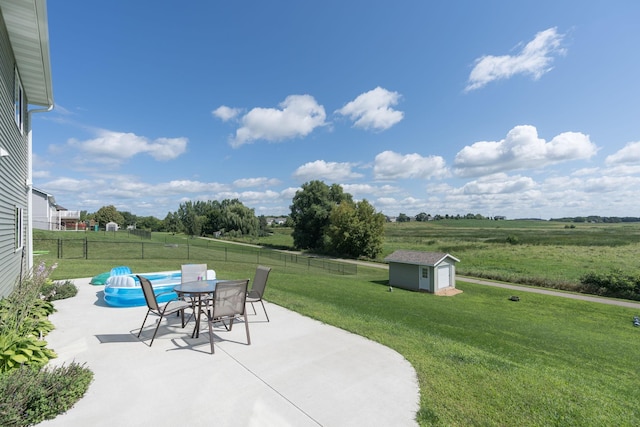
[198, 291]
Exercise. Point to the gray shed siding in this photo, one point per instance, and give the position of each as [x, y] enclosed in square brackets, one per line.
[404, 276]
[406, 270]
[13, 171]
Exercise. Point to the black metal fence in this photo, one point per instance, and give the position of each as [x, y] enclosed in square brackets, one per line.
[92, 249]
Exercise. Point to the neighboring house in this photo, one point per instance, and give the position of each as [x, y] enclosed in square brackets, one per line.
[43, 209]
[422, 271]
[25, 88]
[48, 215]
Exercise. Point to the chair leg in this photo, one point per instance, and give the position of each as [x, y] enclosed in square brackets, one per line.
[143, 322]
[246, 326]
[265, 310]
[156, 331]
[210, 334]
[254, 308]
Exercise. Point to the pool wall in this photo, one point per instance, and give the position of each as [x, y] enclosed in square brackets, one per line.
[125, 290]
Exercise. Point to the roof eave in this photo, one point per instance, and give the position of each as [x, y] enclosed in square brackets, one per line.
[28, 29]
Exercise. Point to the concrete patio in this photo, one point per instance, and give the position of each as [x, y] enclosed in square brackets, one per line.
[296, 372]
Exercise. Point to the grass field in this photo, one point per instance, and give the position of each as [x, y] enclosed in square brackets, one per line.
[549, 253]
[480, 358]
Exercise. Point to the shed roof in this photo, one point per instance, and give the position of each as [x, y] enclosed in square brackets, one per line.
[26, 22]
[419, 257]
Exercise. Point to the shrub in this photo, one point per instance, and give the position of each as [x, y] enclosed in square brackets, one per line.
[16, 350]
[513, 240]
[29, 396]
[53, 291]
[614, 283]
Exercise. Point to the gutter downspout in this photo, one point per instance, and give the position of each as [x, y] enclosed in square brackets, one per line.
[29, 185]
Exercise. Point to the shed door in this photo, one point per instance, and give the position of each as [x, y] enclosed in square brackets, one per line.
[444, 277]
[423, 280]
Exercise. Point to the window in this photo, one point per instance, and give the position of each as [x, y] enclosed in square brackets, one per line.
[19, 102]
[19, 234]
[425, 273]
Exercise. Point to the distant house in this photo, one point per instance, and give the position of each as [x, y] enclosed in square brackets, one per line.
[272, 221]
[422, 271]
[48, 215]
[25, 82]
[111, 226]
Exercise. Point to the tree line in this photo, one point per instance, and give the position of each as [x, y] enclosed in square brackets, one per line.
[324, 219]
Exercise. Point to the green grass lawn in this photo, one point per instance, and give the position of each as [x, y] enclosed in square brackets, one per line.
[480, 359]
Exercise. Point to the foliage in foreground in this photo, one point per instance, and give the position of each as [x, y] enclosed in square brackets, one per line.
[30, 393]
[30, 396]
[23, 323]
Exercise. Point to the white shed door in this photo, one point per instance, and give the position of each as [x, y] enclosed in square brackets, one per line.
[444, 277]
[423, 280]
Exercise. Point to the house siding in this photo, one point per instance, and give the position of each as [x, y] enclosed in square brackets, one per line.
[41, 210]
[13, 171]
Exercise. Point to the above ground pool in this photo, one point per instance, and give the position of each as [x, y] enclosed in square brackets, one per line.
[124, 290]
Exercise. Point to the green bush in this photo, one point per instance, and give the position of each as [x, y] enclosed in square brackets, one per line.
[53, 291]
[24, 322]
[16, 350]
[28, 396]
[513, 240]
[614, 283]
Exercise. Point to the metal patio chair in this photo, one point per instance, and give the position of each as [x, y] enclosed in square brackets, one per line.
[170, 307]
[258, 287]
[228, 305]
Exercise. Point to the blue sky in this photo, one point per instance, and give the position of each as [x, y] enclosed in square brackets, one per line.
[521, 109]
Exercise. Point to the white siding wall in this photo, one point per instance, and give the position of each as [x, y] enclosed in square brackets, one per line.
[13, 171]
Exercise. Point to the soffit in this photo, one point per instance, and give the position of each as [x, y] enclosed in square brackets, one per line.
[26, 22]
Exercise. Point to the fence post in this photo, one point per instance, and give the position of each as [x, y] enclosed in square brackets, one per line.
[86, 248]
[142, 249]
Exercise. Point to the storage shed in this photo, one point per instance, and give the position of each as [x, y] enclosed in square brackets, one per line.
[422, 271]
[111, 226]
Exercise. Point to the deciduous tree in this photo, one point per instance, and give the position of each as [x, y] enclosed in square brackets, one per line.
[108, 214]
[356, 230]
[310, 210]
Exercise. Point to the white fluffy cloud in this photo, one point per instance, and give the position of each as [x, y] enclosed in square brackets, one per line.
[534, 59]
[498, 184]
[522, 149]
[297, 116]
[629, 154]
[114, 147]
[255, 182]
[364, 190]
[372, 110]
[330, 171]
[391, 165]
[225, 113]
